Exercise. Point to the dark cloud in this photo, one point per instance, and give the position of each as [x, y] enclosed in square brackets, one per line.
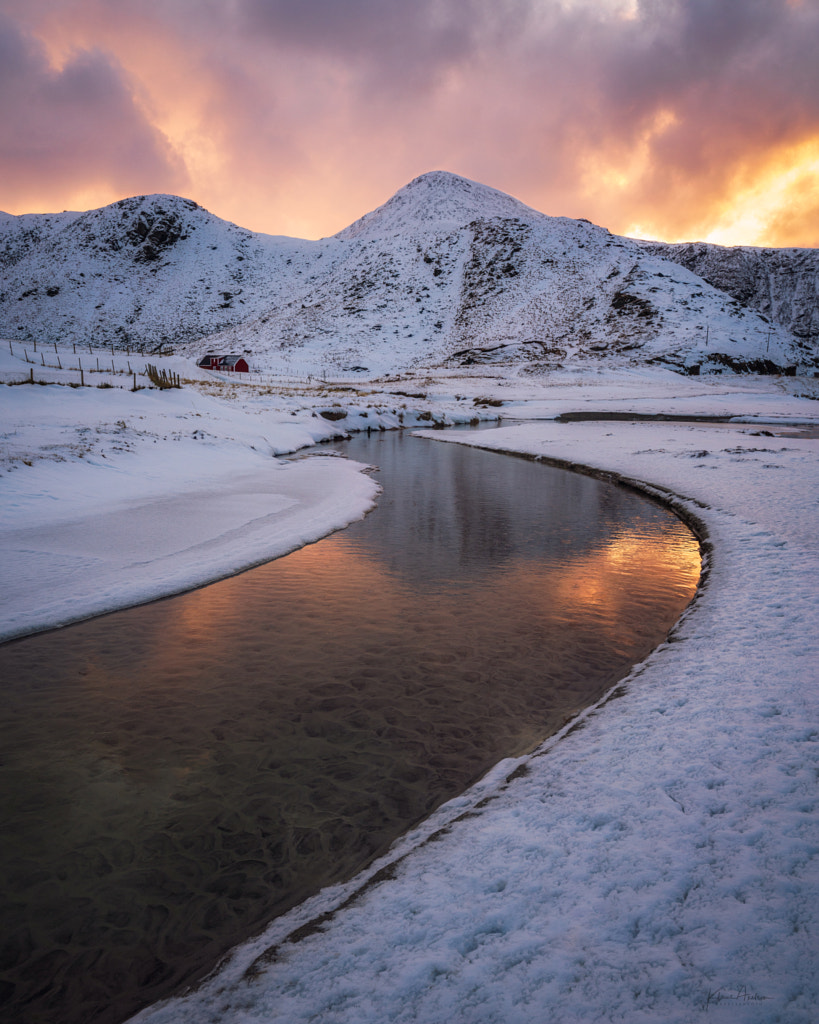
[358, 27]
[400, 44]
[715, 62]
[78, 125]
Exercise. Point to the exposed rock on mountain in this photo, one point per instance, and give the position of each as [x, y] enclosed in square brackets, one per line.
[782, 284]
[447, 271]
[141, 273]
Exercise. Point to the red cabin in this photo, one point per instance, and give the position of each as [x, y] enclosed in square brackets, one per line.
[231, 364]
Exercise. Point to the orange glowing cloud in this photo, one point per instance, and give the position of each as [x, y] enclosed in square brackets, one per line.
[675, 120]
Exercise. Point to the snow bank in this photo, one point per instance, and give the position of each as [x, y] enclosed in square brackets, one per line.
[112, 497]
[656, 862]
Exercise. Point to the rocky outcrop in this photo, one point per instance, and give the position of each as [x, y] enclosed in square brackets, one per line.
[781, 284]
[154, 232]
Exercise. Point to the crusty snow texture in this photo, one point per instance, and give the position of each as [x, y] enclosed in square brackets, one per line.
[658, 863]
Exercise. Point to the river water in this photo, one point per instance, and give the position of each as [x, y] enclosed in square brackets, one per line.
[174, 776]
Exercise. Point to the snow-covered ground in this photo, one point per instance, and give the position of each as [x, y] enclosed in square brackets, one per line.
[660, 863]
[112, 497]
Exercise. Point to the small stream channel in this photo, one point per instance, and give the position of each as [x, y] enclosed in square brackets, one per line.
[175, 775]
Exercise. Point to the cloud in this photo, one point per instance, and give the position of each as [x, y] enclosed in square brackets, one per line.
[737, 83]
[299, 115]
[398, 45]
[797, 223]
[78, 126]
[661, 118]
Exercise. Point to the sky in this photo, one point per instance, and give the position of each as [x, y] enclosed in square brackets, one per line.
[669, 119]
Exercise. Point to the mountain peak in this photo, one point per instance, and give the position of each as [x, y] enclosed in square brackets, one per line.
[437, 200]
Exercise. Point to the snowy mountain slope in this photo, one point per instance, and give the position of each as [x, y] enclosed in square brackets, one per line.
[447, 271]
[782, 284]
[142, 272]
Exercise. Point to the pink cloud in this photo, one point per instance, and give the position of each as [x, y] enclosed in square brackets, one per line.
[72, 130]
[297, 116]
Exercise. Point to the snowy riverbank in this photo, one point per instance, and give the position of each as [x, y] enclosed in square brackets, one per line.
[661, 862]
[112, 497]
[657, 864]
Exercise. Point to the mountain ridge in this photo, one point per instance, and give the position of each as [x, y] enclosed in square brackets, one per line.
[445, 272]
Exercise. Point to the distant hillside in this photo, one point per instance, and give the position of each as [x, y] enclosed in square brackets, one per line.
[782, 284]
[448, 271]
[144, 271]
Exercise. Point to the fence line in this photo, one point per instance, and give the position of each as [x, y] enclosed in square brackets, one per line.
[97, 367]
[294, 375]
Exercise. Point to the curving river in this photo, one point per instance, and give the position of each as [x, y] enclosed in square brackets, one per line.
[175, 775]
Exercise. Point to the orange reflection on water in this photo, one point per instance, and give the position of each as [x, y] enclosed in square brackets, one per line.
[323, 573]
[611, 584]
[275, 600]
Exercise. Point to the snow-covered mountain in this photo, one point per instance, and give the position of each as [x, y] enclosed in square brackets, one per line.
[783, 284]
[447, 271]
[141, 272]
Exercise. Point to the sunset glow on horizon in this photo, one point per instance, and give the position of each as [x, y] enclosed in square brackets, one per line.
[682, 120]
